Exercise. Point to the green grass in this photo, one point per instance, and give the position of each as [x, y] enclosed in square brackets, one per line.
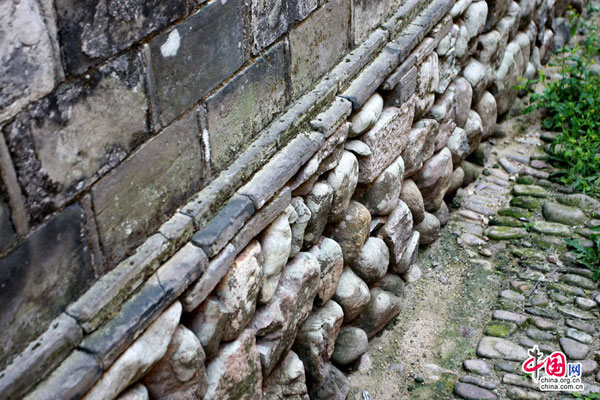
[571, 106]
[590, 257]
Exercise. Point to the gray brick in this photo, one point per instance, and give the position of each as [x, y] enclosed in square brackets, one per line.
[178, 229]
[91, 31]
[41, 356]
[262, 218]
[332, 117]
[181, 270]
[133, 200]
[404, 89]
[400, 72]
[354, 61]
[104, 298]
[434, 12]
[195, 56]
[371, 78]
[71, 380]
[408, 40]
[61, 145]
[279, 170]
[217, 268]
[28, 66]
[111, 339]
[368, 14]
[318, 43]
[245, 105]
[40, 277]
[224, 225]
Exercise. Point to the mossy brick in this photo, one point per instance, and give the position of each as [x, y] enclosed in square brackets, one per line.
[104, 298]
[42, 355]
[112, 338]
[506, 221]
[219, 231]
[245, 105]
[564, 288]
[514, 212]
[61, 144]
[318, 43]
[551, 228]
[500, 329]
[578, 280]
[40, 277]
[526, 180]
[528, 203]
[196, 55]
[529, 190]
[505, 233]
[556, 212]
[91, 31]
[134, 199]
[71, 380]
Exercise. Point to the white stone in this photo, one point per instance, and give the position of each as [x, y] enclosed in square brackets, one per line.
[276, 244]
[366, 117]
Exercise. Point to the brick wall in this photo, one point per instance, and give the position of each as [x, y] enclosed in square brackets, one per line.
[151, 150]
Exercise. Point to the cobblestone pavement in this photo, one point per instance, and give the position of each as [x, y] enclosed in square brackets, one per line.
[499, 281]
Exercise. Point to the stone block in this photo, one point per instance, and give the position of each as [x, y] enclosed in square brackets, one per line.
[133, 200]
[39, 278]
[421, 145]
[98, 303]
[195, 56]
[71, 380]
[280, 169]
[387, 139]
[110, 340]
[245, 105]
[41, 356]
[28, 65]
[368, 15]
[317, 44]
[287, 380]
[61, 145]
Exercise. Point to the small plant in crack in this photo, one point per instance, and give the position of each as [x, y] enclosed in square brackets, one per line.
[588, 256]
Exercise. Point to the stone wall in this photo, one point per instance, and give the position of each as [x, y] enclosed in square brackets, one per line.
[224, 199]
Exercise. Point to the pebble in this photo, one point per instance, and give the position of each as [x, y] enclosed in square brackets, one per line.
[479, 367]
[578, 335]
[485, 252]
[582, 326]
[585, 304]
[573, 349]
[472, 392]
